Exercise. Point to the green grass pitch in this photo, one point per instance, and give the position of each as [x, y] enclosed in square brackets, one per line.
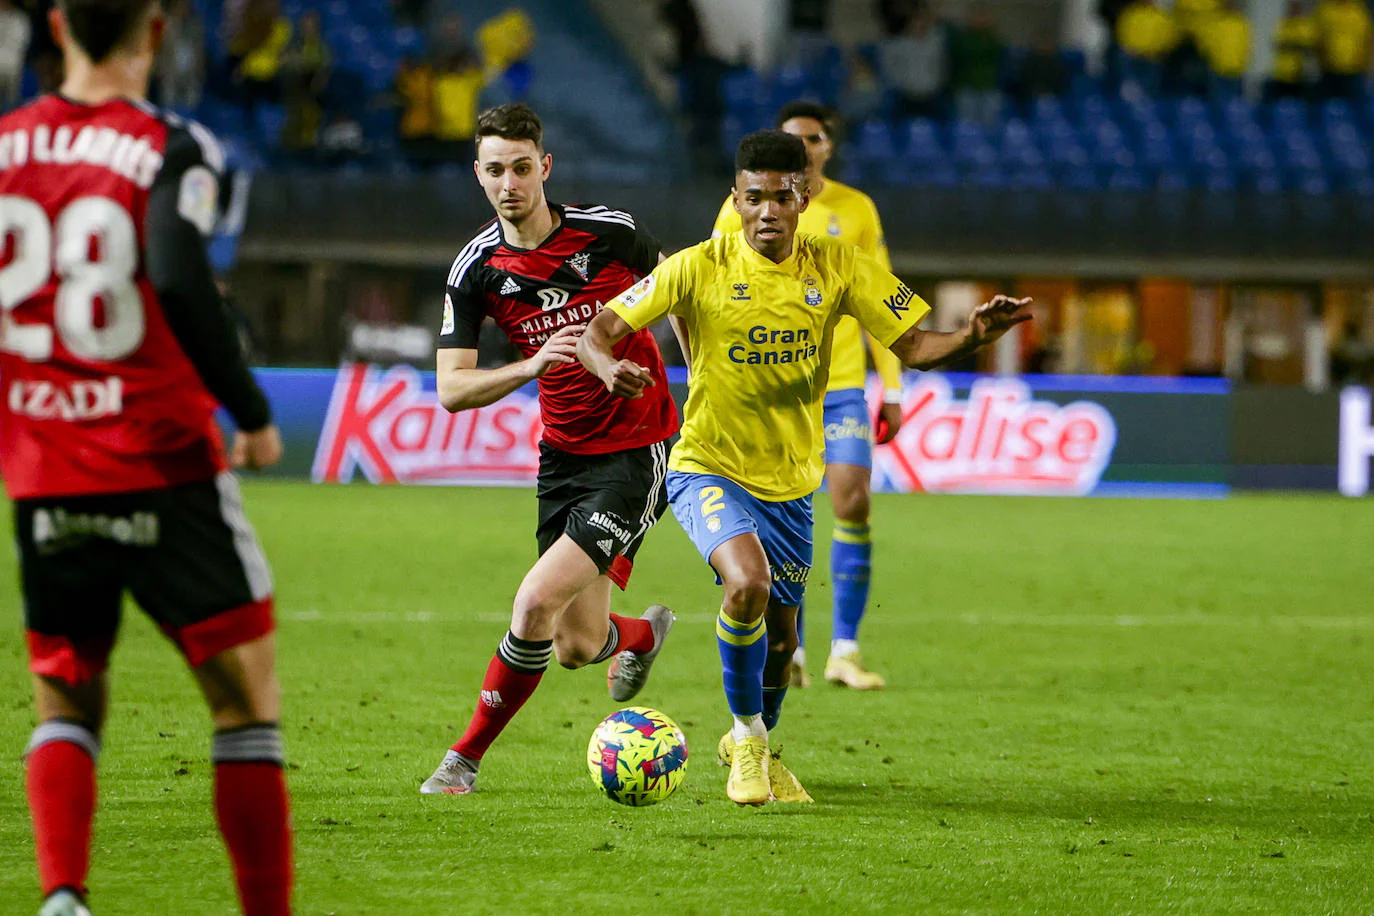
[1096, 706]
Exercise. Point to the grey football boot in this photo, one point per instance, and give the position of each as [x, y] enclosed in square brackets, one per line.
[630, 670]
[455, 776]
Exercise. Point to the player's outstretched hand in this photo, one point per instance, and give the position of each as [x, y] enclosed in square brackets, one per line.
[257, 450]
[997, 316]
[628, 379]
[558, 350]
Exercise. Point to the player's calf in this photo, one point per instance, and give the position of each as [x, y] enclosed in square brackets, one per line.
[60, 781]
[253, 813]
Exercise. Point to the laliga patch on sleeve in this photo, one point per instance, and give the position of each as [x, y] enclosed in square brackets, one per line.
[448, 316]
[198, 198]
[635, 294]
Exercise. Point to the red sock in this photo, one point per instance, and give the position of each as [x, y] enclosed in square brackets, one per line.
[504, 691]
[635, 633]
[254, 816]
[61, 789]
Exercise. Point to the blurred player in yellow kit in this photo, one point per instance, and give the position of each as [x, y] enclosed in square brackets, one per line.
[756, 311]
[841, 212]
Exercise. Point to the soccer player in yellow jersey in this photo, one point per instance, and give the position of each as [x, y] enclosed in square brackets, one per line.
[849, 215]
[757, 309]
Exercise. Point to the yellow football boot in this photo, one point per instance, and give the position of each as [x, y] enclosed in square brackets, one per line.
[725, 749]
[748, 782]
[797, 676]
[784, 784]
[849, 671]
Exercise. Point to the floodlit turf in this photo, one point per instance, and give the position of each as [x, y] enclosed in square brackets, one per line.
[1096, 706]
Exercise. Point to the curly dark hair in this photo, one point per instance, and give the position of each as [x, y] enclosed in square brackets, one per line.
[770, 151]
[513, 121]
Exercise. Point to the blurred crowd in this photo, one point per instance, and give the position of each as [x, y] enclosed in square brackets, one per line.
[300, 78]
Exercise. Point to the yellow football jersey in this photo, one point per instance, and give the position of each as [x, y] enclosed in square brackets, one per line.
[760, 337]
[847, 214]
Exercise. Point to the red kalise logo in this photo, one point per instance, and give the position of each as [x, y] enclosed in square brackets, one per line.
[1000, 440]
[393, 429]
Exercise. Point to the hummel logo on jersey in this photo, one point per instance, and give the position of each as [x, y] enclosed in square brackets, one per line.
[580, 263]
[741, 292]
[492, 698]
[607, 546]
[510, 287]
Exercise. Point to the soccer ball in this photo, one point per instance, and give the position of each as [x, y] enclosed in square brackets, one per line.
[637, 756]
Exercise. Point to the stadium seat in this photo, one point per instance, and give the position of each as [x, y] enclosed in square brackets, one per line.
[874, 142]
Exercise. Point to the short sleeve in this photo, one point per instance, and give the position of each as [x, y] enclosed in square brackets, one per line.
[727, 220]
[637, 249]
[883, 304]
[660, 293]
[463, 314]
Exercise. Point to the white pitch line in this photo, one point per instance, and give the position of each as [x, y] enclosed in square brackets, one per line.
[1057, 621]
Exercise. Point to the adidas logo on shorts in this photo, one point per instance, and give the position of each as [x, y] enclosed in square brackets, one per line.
[510, 287]
[607, 546]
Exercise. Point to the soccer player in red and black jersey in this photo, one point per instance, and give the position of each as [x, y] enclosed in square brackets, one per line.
[114, 350]
[542, 271]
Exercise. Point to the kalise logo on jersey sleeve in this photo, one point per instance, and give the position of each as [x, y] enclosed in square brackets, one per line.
[998, 441]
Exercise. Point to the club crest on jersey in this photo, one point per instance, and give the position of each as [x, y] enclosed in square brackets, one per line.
[581, 263]
[635, 294]
[834, 227]
[741, 292]
[813, 294]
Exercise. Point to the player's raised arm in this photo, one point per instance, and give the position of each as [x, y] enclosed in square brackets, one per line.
[890, 311]
[919, 349]
[637, 307]
[462, 386]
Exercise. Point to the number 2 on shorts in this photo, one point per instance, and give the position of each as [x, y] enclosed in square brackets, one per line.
[712, 500]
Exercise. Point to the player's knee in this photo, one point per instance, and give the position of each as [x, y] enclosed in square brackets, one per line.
[784, 645]
[851, 504]
[746, 599]
[536, 608]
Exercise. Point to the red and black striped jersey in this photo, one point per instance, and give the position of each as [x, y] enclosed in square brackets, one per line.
[593, 255]
[114, 342]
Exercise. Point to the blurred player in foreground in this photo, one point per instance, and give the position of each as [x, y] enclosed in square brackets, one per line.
[841, 212]
[542, 271]
[115, 349]
[757, 309]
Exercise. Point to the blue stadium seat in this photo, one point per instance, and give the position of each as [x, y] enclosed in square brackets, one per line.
[874, 142]
[1079, 179]
[1172, 180]
[1219, 181]
[922, 141]
[1289, 115]
[1127, 179]
[269, 120]
[1030, 179]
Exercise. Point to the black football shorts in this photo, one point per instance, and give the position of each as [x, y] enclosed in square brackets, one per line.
[605, 503]
[186, 553]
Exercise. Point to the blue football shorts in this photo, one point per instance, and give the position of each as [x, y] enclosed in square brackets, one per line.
[712, 510]
[848, 428]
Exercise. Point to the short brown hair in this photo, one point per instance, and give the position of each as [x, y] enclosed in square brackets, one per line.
[513, 121]
[101, 26]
